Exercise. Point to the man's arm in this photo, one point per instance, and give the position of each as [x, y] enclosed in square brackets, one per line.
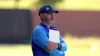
[39, 36]
[51, 46]
[62, 45]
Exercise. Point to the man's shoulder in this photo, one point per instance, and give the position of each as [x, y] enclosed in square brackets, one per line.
[38, 28]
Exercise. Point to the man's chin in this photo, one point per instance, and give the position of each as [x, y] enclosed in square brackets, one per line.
[50, 23]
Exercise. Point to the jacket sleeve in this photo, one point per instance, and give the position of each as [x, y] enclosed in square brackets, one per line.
[40, 37]
[63, 45]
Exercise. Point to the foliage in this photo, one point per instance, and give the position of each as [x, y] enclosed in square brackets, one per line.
[49, 2]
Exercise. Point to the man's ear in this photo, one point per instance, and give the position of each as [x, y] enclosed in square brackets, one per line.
[41, 15]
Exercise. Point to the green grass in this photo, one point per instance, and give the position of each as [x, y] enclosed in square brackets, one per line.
[15, 50]
[76, 47]
[83, 47]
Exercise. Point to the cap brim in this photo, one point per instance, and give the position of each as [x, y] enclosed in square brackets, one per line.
[56, 12]
[52, 11]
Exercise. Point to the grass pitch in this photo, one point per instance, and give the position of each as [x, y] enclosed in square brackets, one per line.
[76, 47]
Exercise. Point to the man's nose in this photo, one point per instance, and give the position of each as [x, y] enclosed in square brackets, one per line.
[53, 16]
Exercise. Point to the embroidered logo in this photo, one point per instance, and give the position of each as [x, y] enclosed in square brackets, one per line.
[47, 8]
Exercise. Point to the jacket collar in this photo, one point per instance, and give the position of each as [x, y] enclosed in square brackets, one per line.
[46, 28]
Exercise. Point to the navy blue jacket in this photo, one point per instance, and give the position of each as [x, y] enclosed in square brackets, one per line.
[40, 40]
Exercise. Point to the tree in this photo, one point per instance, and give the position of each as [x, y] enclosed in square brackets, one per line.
[49, 2]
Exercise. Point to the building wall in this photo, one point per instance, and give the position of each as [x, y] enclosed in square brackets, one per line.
[77, 23]
[14, 25]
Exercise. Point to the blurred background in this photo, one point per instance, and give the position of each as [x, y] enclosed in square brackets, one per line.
[78, 23]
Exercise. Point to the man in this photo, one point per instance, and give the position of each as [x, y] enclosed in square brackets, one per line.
[40, 35]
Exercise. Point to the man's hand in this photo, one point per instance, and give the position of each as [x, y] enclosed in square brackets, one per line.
[51, 46]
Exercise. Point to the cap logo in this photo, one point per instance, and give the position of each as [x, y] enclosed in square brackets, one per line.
[47, 8]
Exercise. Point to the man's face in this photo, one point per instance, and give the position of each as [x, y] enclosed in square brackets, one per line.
[48, 18]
